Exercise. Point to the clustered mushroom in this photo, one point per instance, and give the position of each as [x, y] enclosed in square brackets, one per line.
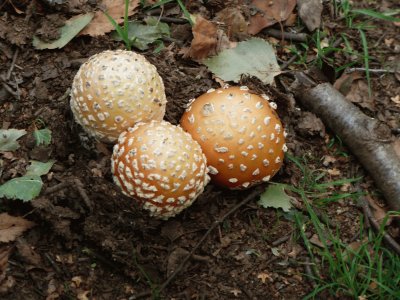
[161, 166]
[118, 96]
[113, 90]
[240, 134]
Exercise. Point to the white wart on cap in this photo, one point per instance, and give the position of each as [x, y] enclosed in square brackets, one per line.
[240, 134]
[113, 90]
[161, 166]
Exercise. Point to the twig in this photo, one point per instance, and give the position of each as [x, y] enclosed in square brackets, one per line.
[376, 71]
[82, 193]
[58, 187]
[250, 197]
[281, 240]
[309, 272]
[12, 64]
[173, 20]
[291, 36]
[386, 237]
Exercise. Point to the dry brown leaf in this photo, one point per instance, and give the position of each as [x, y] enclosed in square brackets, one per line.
[396, 100]
[100, 23]
[12, 227]
[263, 277]
[204, 41]
[234, 20]
[269, 13]
[28, 253]
[355, 89]
[334, 172]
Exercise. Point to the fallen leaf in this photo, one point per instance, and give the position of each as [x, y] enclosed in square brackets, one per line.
[396, 100]
[142, 35]
[263, 277]
[204, 41]
[316, 241]
[23, 188]
[76, 281]
[71, 29]
[236, 292]
[334, 172]
[234, 21]
[275, 196]
[12, 227]
[269, 13]
[39, 168]
[344, 82]
[310, 13]
[100, 24]
[310, 125]
[254, 57]
[42, 136]
[355, 89]
[28, 252]
[9, 137]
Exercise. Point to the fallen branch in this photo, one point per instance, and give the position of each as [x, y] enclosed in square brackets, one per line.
[368, 139]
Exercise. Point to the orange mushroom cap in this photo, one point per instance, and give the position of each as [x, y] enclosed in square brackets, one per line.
[240, 134]
[161, 166]
[113, 90]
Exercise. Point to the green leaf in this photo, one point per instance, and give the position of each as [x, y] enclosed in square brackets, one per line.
[71, 28]
[42, 136]
[39, 168]
[9, 137]
[142, 35]
[376, 15]
[275, 196]
[254, 57]
[24, 188]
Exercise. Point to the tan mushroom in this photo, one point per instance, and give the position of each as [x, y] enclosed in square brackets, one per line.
[240, 134]
[161, 166]
[113, 90]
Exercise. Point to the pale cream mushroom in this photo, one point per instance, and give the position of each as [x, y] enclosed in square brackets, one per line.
[113, 90]
[161, 166]
[240, 134]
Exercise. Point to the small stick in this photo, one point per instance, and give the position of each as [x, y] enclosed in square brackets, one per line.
[58, 187]
[12, 64]
[217, 222]
[82, 193]
[376, 71]
[386, 237]
[281, 240]
[291, 36]
[173, 20]
[309, 272]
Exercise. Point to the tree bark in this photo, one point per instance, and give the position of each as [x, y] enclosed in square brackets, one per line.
[367, 138]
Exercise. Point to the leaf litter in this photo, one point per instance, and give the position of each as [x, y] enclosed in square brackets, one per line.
[71, 29]
[9, 137]
[100, 25]
[12, 227]
[254, 57]
[269, 13]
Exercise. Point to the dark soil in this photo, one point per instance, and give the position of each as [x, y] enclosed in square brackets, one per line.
[92, 242]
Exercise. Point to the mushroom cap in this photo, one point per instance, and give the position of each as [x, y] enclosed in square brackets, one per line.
[161, 166]
[240, 134]
[113, 90]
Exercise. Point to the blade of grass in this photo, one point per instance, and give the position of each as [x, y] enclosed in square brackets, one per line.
[376, 15]
[366, 59]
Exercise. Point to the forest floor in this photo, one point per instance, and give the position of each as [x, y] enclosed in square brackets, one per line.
[90, 241]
